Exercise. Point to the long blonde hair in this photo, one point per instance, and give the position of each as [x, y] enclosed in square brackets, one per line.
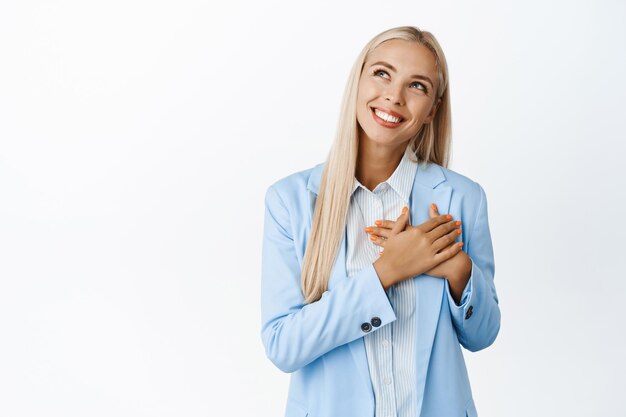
[430, 144]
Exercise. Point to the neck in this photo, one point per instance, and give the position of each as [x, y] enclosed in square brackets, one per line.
[376, 163]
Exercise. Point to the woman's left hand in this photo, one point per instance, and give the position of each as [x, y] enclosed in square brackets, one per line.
[455, 269]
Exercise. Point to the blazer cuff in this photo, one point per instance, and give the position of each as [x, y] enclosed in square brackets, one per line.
[378, 311]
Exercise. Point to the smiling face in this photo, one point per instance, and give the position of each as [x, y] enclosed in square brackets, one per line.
[396, 92]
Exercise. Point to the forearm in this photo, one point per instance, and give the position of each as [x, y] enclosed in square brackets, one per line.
[385, 272]
[477, 319]
[295, 335]
[459, 282]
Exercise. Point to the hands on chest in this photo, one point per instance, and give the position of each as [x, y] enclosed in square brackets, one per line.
[429, 248]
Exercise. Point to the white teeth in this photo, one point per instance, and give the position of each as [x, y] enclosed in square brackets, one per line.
[386, 117]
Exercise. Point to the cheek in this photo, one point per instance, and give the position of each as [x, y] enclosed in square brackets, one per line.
[367, 89]
[361, 113]
[366, 95]
[420, 109]
[361, 96]
[362, 100]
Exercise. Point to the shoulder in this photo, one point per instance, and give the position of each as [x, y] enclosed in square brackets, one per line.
[462, 184]
[293, 187]
[294, 183]
[468, 196]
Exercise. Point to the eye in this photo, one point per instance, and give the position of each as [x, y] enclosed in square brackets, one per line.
[423, 86]
[377, 71]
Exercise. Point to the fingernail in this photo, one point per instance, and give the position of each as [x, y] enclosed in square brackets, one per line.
[458, 223]
[449, 216]
[368, 229]
[378, 222]
[460, 243]
[372, 237]
[434, 206]
[404, 209]
[458, 231]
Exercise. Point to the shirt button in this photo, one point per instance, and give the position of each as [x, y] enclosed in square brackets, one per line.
[366, 327]
[387, 381]
[376, 321]
[385, 343]
[469, 312]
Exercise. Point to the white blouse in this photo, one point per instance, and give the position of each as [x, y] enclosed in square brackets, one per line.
[390, 349]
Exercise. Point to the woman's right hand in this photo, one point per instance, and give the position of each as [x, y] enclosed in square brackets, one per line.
[413, 250]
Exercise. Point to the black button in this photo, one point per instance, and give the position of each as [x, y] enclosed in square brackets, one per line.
[376, 321]
[469, 312]
[366, 327]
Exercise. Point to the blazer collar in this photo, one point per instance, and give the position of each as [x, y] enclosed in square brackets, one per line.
[428, 175]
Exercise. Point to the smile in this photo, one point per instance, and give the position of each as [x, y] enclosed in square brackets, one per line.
[386, 119]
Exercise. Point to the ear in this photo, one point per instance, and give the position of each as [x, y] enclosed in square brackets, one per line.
[433, 111]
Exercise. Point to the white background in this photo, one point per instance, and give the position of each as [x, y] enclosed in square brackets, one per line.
[137, 139]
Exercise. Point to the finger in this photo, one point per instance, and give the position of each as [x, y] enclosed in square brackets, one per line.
[443, 229]
[431, 224]
[433, 212]
[384, 224]
[378, 240]
[379, 231]
[401, 222]
[381, 225]
[448, 253]
[447, 239]
[447, 247]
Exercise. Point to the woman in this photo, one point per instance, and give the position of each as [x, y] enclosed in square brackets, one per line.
[374, 326]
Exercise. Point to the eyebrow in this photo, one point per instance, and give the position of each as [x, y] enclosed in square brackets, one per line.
[391, 67]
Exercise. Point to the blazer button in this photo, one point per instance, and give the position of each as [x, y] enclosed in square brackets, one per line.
[366, 327]
[376, 321]
[469, 312]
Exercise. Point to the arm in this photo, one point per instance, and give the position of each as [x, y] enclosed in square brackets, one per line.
[477, 318]
[458, 286]
[295, 334]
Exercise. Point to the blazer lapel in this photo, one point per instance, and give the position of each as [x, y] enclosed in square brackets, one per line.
[428, 186]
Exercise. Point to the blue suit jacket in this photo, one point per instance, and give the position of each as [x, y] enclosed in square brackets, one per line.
[321, 344]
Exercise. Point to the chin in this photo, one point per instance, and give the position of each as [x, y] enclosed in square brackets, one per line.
[384, 140]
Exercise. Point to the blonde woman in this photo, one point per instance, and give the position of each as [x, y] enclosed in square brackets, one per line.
[378, 263]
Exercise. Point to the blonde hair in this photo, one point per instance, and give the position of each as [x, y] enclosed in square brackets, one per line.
[430, 144]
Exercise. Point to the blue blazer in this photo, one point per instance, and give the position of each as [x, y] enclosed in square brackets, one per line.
[321, 344]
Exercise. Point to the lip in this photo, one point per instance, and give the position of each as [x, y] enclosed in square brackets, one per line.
[383, 122]
[391, 112]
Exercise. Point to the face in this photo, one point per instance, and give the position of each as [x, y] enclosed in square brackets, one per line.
[396, 92]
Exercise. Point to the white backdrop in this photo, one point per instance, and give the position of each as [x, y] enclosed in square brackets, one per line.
[137, 139]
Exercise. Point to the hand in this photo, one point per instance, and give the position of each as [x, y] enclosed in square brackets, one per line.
[413, 250]
[454, 268]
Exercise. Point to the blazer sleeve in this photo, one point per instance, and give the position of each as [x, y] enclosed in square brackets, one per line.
[477, 318]
[295, 334]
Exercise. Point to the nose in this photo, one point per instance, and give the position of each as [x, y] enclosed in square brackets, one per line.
[393, 94]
